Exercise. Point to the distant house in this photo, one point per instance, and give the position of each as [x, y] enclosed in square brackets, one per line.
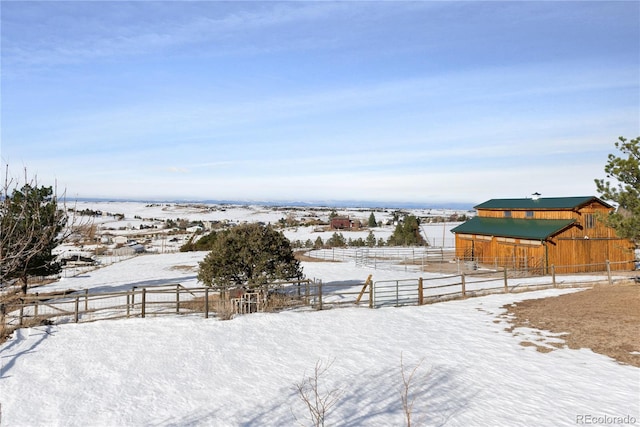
[120, 240]
[194, 229]
[345, 223]
[131, 249]
[536, 233]
[340, 223]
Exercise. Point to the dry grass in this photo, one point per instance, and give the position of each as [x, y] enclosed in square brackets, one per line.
[277, 302]
[197, 304]
[605, 319]
[302, 256]
[187, 268]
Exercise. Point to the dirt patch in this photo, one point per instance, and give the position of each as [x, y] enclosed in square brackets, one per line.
[302, 256]
[185, 268]
[605, 318]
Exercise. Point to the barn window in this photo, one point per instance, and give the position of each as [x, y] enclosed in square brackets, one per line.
[507, 214]
[589, 221]
[528, 214]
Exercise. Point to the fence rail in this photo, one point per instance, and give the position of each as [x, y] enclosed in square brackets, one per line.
[388, 258]
[68, 307]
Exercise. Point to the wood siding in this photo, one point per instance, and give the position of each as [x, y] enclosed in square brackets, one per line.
[585, 246]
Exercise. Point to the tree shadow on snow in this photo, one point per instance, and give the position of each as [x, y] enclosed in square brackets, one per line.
[139, 284]
[9, 358]
[373, 399]
[440, 394]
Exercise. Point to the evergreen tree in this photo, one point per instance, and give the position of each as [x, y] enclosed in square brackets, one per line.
[626, 192]
[337, 240]
[407, 233]
[249, 254]
[372, 220]
[318, 244]
[371, 239]
[205, 243]
[31, 227]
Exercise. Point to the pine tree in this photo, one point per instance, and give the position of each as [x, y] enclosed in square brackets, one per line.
[249, 254]
[626, 194]
[30, 228]
[407, 233]
[371, 239]
[372, 220]
[337, 240]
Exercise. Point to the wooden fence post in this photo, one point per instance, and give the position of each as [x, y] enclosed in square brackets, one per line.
[609, 272]
[35, 305]
[320, 294]
[77, 311]
[21, 312]
[144, 301]
[464, 285]
[206, 302]
[371, 294]
[420, 291]
[177, 299]
[86, 300]
[397, 294]
[128, 302]
[506, 281]
[3, 312]
[553, 275]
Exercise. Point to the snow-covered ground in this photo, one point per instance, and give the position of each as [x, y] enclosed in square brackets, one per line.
[188, 370]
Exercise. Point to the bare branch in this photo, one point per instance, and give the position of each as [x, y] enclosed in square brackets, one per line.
[405, 390]
[318, 403]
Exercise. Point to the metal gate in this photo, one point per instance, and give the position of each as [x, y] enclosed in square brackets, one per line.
[395, 293]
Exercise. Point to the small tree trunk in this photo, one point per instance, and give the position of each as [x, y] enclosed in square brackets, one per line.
[24, 279]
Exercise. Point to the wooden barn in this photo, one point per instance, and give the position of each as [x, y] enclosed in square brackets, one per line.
[340, 223]
[345, 223]
[535, 233]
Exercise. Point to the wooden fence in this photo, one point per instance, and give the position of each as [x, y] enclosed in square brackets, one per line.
[76, 307]
[477, 283]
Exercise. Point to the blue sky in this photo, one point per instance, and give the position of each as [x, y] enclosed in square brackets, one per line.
[424, 102]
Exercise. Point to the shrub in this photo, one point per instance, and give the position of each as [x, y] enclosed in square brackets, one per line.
[250, 254]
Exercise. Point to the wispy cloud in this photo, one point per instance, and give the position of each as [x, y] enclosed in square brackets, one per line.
[77, 32]
[400, 100]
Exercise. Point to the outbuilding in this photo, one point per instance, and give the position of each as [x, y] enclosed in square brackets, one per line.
[536, 233]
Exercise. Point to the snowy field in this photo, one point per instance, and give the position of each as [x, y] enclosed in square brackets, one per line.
[191, 371]
[181, 371]
[133, 215]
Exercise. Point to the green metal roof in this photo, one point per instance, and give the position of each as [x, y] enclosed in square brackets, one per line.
[534, 229]
[541, 203]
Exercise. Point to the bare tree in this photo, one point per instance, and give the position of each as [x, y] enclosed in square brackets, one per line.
[31, 224]
[405, 391]
[318, 401]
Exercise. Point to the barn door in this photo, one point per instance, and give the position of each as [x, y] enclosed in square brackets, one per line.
[521, 260]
